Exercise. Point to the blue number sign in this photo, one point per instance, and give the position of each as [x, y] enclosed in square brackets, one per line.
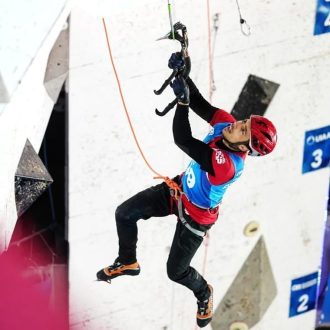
[322, 19]
[316, 149]
[303, 294]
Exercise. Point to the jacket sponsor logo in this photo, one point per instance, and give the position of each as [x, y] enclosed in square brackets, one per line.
[219, 157]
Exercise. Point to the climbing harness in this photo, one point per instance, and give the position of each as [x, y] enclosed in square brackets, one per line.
[180, 34]
[181, 214]
[185, 223]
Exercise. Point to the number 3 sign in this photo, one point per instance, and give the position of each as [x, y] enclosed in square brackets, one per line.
[303, 294]
[316, 149]
[322, 19]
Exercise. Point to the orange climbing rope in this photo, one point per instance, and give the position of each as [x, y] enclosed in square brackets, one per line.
[173, 185]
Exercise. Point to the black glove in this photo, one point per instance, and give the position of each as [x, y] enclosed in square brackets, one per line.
[176, 61]
[181, 90]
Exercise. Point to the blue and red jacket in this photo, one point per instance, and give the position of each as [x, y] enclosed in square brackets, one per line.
[214, 167]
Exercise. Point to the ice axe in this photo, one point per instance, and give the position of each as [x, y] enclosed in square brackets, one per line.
[179, 33]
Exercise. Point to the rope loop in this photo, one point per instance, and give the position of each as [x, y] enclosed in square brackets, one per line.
[172, 185]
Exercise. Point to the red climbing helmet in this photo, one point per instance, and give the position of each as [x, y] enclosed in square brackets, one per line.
[263, 136]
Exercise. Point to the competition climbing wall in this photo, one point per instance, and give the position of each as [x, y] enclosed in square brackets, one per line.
[263, 255]
[33, 69]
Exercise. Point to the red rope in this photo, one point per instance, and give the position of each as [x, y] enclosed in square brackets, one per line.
[209, 49]
[207, 237]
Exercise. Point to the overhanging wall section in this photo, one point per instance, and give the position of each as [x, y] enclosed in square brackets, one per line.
[28, 33]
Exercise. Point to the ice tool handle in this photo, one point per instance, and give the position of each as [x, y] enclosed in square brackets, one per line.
[183, 39]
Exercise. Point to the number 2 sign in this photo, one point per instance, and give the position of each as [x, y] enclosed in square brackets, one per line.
[303, 294]
[316, 149]
[322, 19]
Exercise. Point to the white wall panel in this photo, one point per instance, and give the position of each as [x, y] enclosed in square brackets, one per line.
[105, 167]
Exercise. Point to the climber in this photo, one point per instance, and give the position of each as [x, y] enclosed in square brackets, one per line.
[216, 163]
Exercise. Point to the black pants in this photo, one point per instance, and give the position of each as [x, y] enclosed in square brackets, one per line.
[156, 202]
